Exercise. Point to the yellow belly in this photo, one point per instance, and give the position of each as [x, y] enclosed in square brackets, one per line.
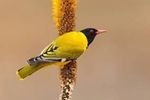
[71, 45]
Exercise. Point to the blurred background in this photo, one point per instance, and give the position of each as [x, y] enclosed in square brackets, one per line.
[115, 67]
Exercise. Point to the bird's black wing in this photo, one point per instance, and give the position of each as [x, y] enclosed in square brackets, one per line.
[41, 59]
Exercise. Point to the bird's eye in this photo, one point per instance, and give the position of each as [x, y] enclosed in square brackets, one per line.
[91, 31]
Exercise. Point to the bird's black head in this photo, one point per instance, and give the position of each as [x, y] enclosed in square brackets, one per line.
[90, 33]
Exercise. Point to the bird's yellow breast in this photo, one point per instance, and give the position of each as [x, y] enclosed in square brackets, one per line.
[73, 39]
[71, 44]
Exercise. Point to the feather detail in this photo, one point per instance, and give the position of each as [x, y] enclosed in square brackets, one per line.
[41, 59]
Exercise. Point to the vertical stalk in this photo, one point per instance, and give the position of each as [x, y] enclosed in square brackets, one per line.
[64, 17]
[68, 79]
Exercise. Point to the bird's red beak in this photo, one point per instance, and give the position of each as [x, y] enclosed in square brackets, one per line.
[100, 31]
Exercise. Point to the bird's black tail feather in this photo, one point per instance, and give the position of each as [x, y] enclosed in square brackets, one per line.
[35, 60]
[40, 59]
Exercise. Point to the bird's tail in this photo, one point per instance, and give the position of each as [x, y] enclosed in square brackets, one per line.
[36, 63]
[28, 70]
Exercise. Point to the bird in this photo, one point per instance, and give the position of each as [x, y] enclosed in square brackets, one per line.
[61, 51]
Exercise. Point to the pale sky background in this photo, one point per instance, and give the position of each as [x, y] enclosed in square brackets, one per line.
[115, 67]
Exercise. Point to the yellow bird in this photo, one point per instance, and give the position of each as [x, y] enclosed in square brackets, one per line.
[61, 51]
